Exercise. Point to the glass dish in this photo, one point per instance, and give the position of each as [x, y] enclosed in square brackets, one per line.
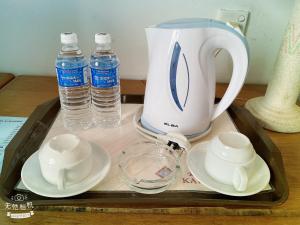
[148, 167]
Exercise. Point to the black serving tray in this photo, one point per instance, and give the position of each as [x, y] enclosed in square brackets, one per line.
[33, 132]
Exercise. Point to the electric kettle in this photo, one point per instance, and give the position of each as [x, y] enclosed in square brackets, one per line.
[180, 89]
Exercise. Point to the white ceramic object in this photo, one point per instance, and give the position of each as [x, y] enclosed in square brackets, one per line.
[34, 181]
[65, 159]
[152, 135]
[230, 159]
[180, 90]
[277, 110]
[256, 183]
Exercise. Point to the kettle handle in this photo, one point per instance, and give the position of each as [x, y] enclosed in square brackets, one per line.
[237, 47]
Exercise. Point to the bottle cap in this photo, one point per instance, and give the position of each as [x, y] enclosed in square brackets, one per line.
[102, 38]
[68, 38]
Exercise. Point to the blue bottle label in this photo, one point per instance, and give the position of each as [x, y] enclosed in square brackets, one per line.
[72, 77]
[104, 78]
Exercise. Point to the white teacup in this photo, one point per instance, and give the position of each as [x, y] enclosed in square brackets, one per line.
[65, 159]
[230, 159]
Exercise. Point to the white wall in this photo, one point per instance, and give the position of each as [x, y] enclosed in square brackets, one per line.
[29, 31]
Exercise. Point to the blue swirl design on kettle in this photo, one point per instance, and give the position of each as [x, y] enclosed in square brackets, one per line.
[173, 74]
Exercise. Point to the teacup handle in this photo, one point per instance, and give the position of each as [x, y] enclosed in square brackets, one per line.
[61, 179]
[240, 179]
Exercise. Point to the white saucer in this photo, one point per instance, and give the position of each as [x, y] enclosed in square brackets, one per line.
[33, 180]
[195, 162]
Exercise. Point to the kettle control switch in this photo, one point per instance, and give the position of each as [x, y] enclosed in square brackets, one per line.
[237, 18]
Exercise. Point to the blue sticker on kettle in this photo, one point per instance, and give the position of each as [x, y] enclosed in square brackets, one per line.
[173, 75]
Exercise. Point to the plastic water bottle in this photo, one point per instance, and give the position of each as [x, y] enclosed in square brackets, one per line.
[105, 89]
[74, 85]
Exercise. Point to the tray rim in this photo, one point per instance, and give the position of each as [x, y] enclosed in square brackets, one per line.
[39, 122]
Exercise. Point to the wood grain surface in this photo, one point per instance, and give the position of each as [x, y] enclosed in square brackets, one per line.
[19, 98]
[5, 78]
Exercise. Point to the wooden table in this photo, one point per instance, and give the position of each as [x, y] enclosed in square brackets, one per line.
[24, 93]
[5, 78]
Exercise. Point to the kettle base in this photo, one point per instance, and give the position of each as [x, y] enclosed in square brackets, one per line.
[150, 132]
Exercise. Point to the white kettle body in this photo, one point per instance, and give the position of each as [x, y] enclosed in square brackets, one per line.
[180, 89]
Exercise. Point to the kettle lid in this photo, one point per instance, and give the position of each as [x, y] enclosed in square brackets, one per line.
[187, 23]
